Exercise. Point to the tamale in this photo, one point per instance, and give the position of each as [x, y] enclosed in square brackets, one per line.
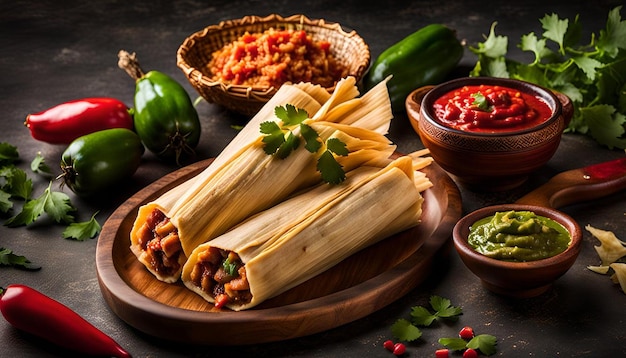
[243, 179]
[293, 241]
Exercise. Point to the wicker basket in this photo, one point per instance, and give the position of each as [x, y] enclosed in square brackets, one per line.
[195, 52]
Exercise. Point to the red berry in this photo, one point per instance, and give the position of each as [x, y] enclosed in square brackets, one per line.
[470, 353]
[442, 353]
[399, 349]
[388, 345]
[466, 333]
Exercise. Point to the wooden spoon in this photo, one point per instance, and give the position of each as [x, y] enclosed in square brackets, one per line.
[579, 185]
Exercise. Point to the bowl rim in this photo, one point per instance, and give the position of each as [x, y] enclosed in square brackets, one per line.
[572, 251]
[528, 87]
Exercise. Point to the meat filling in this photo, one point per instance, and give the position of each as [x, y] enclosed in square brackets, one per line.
[158, 237]
[222, 274]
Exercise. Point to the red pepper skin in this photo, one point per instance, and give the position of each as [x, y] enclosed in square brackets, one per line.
[31, 311]
[67, 121]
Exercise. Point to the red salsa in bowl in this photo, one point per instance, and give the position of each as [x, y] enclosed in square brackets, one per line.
[490, 108]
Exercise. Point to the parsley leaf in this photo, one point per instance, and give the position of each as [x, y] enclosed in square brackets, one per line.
[589, 72]
[5, 201]
[8, 258]
[83, 230]
[405, 331]
[38, 165]
[8, 153]
[56, 204]
[281, 141]
[456, 344]
[442, 307]
[481, 102]
[18, 184]
[486, 343]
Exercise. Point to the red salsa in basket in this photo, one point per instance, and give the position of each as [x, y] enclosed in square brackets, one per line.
[487, 108]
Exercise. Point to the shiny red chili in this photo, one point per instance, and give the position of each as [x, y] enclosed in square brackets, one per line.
[33, 312]
[67, 121]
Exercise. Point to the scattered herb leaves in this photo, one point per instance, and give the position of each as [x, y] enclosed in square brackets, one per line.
[281, 141]
[589, 73]
[440, 308]
[485, 343]
[8, 258]
[82, 231]
[56, 204]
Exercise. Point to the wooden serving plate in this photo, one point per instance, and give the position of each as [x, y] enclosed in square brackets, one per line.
[357, 287]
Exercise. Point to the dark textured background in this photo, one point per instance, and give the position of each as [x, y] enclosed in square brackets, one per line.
[53, 53]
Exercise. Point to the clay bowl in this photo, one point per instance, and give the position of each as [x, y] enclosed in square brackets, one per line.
[484, 161]
[517, 279]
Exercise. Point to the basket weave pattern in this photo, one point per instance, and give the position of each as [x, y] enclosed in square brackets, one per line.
[195, 53]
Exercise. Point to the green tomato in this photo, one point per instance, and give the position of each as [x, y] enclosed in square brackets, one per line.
[164, 116]
[97, 161]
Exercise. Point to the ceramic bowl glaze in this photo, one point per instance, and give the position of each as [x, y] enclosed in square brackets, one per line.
[517, 279]
[485, 161]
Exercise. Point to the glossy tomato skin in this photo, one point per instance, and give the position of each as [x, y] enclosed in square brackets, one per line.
[164, 117]
[97, 161]
[67, 121]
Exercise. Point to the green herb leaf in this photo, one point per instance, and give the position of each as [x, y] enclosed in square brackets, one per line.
[8, 258]
[331, 171]
[481, 102]
[555, 30]
[274, 137]
[18, 184]
[229, 267]
[605, 125]
[484, 342]
[8, 154]
[455, 344]
[56, 204]
[421, 316]
[311, 138]
[281, 141]
[5, 201]
[290, 115]
[39, 166]
[444, 308]
[405, 331]
[83, 230]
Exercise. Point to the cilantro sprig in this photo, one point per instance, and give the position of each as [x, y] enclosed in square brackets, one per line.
[589, 72]
[280, 140]
[440, 309]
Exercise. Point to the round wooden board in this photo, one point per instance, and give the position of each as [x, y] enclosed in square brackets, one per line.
[358, 286]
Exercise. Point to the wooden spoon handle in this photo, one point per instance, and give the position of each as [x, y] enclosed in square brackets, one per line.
[579, 185]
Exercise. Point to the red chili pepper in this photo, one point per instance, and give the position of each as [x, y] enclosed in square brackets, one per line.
[35, 313]
[67, 121]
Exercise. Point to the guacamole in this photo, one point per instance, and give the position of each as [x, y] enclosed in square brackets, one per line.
[518, 236]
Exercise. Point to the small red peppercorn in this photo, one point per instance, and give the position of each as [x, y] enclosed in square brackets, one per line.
[399, 349]
[466, 333]
[442, 353]
[388, 345]
[470, 353]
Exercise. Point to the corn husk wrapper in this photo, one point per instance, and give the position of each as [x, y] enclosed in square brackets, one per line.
[243, 179]
[309, 233]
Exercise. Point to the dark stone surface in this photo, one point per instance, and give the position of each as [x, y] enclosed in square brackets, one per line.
[52, 53]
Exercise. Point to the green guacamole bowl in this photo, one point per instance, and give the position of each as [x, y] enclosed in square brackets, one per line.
[521, 279]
